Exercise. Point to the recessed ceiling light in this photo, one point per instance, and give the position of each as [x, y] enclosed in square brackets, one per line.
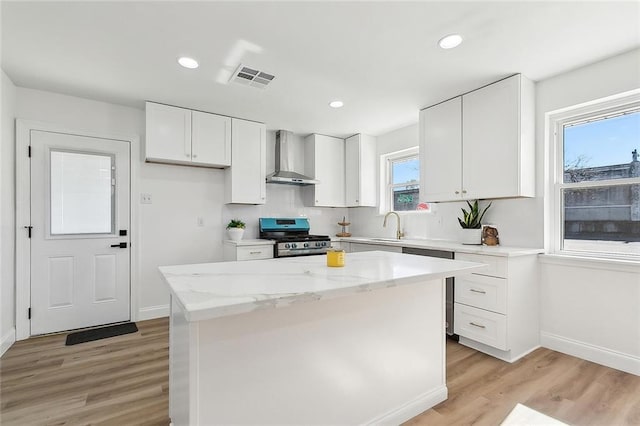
[450, 41]
[188, 62]
[336, 104]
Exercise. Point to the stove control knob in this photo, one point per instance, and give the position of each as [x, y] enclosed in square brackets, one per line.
[286, 245]
[294, 245]
[324, 243]
[317, 244]
[306, 244]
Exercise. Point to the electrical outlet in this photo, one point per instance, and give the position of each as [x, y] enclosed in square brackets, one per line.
[200, 221]
[145, 198]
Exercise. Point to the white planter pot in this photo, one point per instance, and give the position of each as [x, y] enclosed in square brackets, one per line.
[471, 236]
[235, 234]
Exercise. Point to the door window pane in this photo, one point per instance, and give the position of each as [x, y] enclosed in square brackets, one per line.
[82, 194]
[602, 149]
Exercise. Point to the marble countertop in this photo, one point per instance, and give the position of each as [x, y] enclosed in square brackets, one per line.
[211, 290]
[250, 242]
[446, 245]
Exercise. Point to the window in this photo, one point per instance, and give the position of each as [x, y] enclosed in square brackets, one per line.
[597, 180]
[401, 181]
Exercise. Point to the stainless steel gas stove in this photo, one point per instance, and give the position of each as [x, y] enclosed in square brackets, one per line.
[292, 237]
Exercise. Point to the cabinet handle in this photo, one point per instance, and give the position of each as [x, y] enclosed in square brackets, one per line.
[464, 191]
[477, 325]
[457, 192]
[254, 252]
[194, 156]
[477, 291]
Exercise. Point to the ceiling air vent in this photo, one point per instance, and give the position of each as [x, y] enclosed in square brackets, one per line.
[251, 77]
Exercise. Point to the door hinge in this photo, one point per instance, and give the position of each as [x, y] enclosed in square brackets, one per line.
[29, 151]
[29, 230]
[29, 313]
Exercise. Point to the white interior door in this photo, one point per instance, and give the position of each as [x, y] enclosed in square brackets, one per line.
[80, 237]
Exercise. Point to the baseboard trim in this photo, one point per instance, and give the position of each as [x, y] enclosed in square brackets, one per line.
[7, 340]
[152, 312]
[610, 358]
[412, 408]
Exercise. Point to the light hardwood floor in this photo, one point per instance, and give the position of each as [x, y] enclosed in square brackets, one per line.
[124, 381]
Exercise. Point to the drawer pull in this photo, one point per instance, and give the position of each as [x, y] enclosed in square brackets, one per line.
[477, 291]
[255, 252]
[477, 325]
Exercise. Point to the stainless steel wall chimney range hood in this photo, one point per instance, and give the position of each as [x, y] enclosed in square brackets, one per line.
[284, 173]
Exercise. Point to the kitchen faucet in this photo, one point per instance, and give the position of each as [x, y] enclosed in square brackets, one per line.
[399, 233]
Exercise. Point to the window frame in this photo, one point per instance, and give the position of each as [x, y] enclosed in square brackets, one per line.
[386, 185]
[556, 122]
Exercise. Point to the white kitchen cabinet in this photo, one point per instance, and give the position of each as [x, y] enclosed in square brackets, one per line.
[182, 136]
[168, 137]
[496, 309]
[360, 171]
[324, 161]
[480, 145]
[498, 143]
[441, 151]
[210, 139]
[245, 179]
[247, 250]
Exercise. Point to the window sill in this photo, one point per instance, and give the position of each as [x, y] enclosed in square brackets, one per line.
[582, 261]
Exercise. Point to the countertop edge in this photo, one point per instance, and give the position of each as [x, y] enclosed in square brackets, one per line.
[502, 251]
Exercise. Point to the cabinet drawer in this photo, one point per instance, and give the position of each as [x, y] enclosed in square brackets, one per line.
[483, 292]
[497, 265]
[254, 252]
[480, 325]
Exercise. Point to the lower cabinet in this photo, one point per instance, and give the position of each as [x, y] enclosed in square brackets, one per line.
[247, 250]
[496, 310]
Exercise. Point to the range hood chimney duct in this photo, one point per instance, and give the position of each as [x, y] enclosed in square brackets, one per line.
[284, 163]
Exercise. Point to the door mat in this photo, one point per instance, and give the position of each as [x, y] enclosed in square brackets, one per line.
[100, 333]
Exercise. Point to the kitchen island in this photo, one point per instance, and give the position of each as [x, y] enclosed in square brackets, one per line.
[292, 341]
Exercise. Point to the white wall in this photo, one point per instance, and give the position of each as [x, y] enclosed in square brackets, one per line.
[7, 214]
[169, 231]
[589, 309]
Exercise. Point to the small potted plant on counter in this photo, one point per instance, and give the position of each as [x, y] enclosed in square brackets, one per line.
[471, 223]
[235, 229]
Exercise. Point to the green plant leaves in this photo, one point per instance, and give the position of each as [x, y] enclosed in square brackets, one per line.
[472, 219]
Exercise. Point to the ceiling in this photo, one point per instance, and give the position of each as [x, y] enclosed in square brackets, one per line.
[380, 58]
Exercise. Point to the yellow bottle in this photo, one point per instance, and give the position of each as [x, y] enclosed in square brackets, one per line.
[335, 258]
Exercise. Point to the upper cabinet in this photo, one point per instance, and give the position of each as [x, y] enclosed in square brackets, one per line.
[346, 170]
[182, 136]
[245, 179]
[441, 151]
[324, 161]
[480, 145]
[360, 171]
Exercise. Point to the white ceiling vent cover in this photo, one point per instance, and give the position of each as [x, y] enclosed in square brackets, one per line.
[251, 77]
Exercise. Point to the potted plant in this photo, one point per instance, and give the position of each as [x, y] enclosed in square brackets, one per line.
[471, 223]
[235, 229]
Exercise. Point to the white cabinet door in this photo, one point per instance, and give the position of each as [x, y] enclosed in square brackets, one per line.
[325, 162]
[490, 125]
[441, 152]
[168, 135]
[245, 179]
[210, 139]
[360, 171]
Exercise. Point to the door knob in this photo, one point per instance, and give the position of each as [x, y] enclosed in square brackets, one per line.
[120, 245]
